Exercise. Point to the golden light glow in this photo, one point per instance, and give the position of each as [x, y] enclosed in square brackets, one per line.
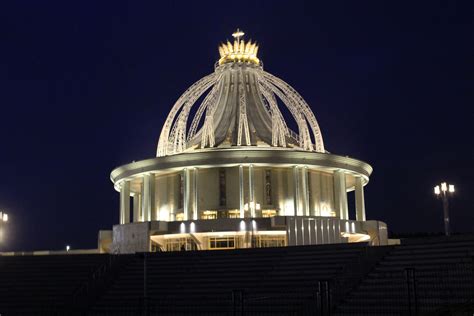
[219, 234]
[240, 51]
[356, 237]
[257, 206]
[269, 213]
[326, 211]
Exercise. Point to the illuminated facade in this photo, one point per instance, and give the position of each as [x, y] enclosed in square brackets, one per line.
[231, 173]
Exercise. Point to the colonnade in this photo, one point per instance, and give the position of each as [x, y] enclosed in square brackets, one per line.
[144, 208]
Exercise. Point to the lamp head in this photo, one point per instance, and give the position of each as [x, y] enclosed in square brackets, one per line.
[444, 187]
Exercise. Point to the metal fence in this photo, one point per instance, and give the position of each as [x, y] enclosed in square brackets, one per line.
[435, 290]
[414, 291]
[236, 303]
[409, 291]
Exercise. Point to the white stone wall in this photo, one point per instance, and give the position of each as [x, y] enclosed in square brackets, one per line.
[130, 238]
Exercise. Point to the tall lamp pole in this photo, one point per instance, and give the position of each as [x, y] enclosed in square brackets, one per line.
[443, 191]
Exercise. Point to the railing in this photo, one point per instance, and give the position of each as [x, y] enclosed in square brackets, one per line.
[99, 280]
[295, 302]
[354, 271]
[293, 135]
[406, 287]
[412, 291]
[453, 288]
[216, 64]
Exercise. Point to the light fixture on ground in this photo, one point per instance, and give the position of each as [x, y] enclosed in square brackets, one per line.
[442, 191]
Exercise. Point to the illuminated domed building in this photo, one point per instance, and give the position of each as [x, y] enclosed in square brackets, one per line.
[230, 173]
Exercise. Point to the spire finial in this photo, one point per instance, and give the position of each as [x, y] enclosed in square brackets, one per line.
[239, 51]
[238, 34]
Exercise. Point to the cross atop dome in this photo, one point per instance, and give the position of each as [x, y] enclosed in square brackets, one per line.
[240, 51]
[237, 34]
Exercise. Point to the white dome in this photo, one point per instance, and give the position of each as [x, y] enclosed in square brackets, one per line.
[240, 108]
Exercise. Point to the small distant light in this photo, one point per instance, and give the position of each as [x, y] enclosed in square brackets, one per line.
[68, 247]
[254, 225]
[5, 215]
[182, 228]
[436, 190]
[451, 188]
[444, 187]
[242, 226]
[192, 228]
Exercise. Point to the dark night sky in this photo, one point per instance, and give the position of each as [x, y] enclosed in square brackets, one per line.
[86, 86]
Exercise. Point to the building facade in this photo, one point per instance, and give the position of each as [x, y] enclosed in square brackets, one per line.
[231, 173]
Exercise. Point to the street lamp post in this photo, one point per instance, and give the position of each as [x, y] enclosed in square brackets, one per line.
[442, 191]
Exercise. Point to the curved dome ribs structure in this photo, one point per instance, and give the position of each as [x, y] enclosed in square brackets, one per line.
[172, 137]
[303, 107]
[240, 109]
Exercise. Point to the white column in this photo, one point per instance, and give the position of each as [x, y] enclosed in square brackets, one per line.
[345, 207]
[195, 194]
[153, 212]
[125, 202]
[304, 190]
[137, 201]
[142, 201]
[149, 212]
[186, 185]
[146, 197]
[252, 202]
[241, 191]
[296, 191]
[340, 194]
[359, 199]
[337, 197]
